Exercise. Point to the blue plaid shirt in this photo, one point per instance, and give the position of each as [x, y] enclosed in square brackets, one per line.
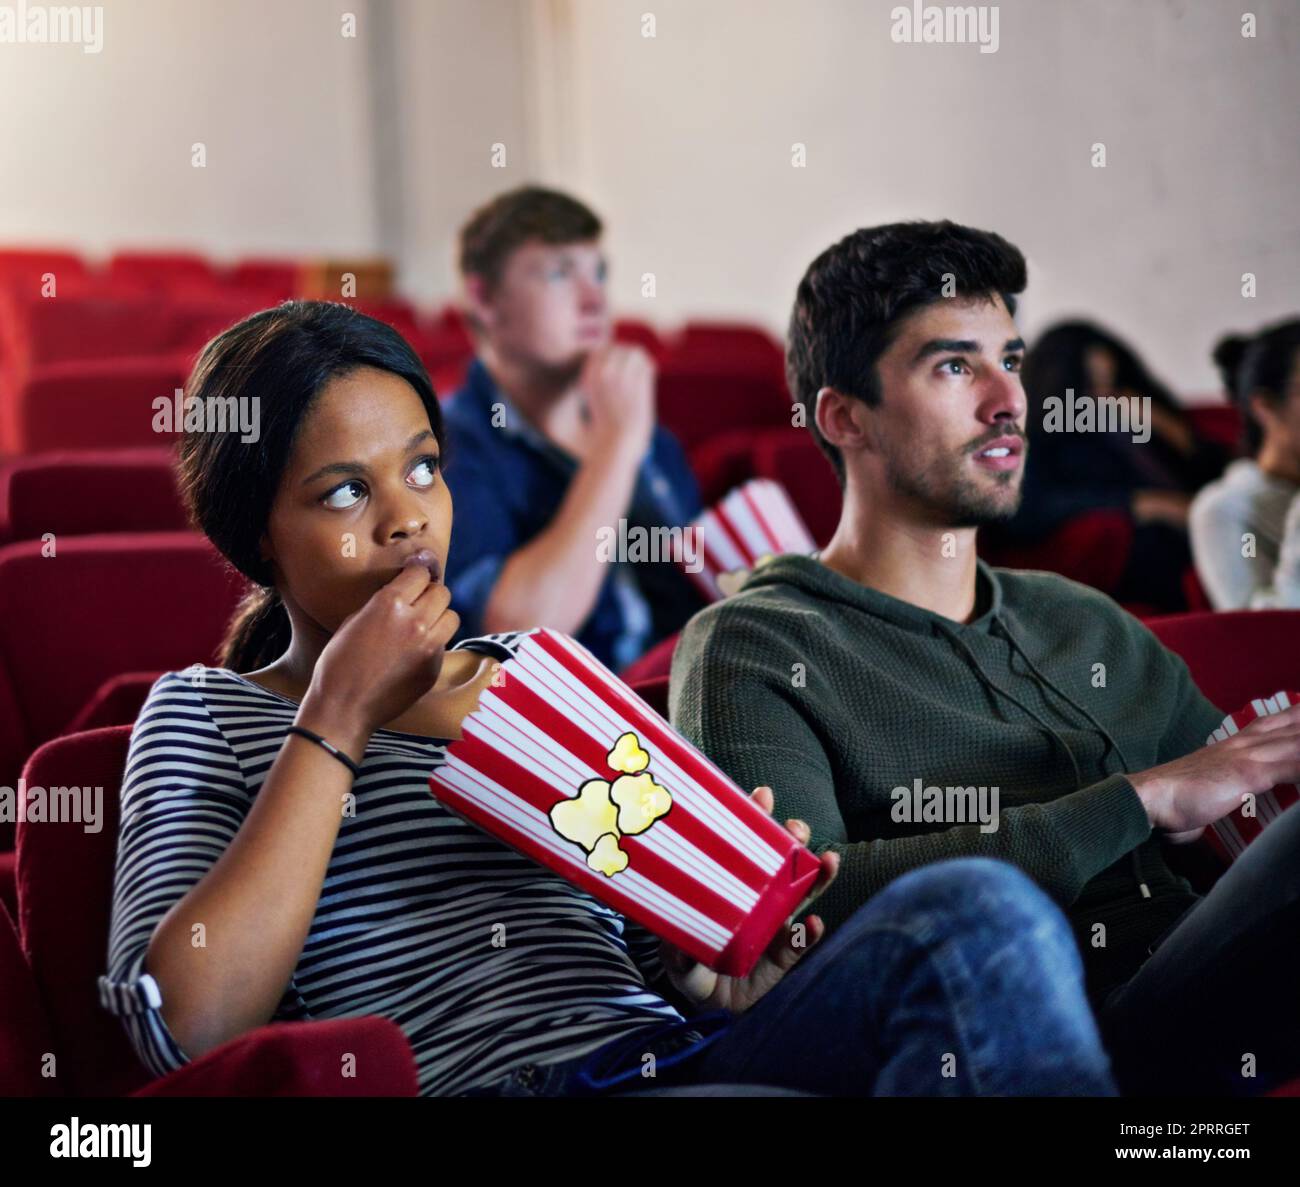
[507, 482]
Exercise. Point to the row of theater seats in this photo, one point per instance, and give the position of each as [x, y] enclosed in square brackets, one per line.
[78, 373]
[54, 926]
[102, 587]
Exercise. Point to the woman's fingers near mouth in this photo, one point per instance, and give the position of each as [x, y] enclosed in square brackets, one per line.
[429, 560]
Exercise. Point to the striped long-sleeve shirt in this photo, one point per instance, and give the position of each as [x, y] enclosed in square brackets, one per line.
[485, 959]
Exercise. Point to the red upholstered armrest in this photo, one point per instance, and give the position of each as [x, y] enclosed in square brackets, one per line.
[301, 1059]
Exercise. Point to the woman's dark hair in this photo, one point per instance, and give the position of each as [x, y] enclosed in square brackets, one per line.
[1260, 364]
[855, 293]
[282, 358]
[1058, 360]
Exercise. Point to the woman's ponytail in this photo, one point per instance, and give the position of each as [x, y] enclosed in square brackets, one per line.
[259, 633]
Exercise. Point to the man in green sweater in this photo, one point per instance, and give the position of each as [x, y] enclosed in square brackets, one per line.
[911, 704]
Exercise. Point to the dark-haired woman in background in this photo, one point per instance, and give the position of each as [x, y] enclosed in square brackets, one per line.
[1070, 473]
[279, 807]
[1246, 526]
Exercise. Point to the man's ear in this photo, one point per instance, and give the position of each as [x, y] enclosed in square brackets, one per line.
[476, 301]
[844, 421]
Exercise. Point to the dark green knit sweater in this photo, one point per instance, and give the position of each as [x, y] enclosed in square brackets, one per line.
[835, 694]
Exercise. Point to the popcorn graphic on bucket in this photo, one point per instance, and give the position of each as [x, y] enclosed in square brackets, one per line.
[602, 812]
[1230, 836]
[753, 523]
[567, 764]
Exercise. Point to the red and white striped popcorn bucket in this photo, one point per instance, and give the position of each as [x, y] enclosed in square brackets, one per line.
[753, 522]
[1230, 836]
[564, 762]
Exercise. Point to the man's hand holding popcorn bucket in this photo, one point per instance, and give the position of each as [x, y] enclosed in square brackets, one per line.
[707, 989]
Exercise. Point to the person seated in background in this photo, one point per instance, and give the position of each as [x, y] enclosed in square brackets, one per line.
[1246, 526]
[913, 704]
[1071, 472]
[279, 806]
[553, 439]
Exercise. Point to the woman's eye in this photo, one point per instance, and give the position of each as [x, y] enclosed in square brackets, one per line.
[425, 472]
[342, 497]
[1013, 363]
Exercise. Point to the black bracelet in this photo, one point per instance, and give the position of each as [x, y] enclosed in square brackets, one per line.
[334, 750]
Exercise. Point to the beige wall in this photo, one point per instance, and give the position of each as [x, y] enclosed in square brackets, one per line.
[95, 148]
[683, 141]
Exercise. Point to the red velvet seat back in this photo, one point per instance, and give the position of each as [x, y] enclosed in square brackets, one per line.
[100, 404]
[655, 694]
[723, 462]
[26, 269]
[25, 1036]
[164, 270]
[1091, 548]
[65, 888]
[700, 398]
[793, 459]
[154, 601]
[1236, 655]
[135, 492]
[115, 325]
[278, 278]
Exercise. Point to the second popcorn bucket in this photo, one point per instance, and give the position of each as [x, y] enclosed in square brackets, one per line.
[564, 762]
[754, 522]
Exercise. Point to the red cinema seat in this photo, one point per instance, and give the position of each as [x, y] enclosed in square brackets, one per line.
[655, 694]
[697, 399]
[446, 355]
[25, 1036]
[1092, 548]
[722, 463]
[162, 270]
[102, 326]
[642, 334]
[450, 320]
[117, 701]
[273, 277]
[100, 606]
[1235, 656]
[791, 457]
[101, 404]
[134, 490]
[9, 881]
[1219, 422]
[65, 883]
[655, 663]
[26, 268]
[88, 326]
[399, 314]
[729, 339]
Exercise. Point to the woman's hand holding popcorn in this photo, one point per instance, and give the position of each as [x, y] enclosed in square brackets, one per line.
[709, 990]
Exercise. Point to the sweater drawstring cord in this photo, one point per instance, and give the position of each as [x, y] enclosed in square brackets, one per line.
[1046, 726]
[1135, 857]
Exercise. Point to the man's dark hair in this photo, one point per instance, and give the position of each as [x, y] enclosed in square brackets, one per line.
[856, 292]
[517, 217]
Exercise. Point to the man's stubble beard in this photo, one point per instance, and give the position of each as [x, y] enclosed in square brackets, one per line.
[955, 500]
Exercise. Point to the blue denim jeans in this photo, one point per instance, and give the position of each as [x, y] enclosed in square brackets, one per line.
[1213, 1010]
[960, 978]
